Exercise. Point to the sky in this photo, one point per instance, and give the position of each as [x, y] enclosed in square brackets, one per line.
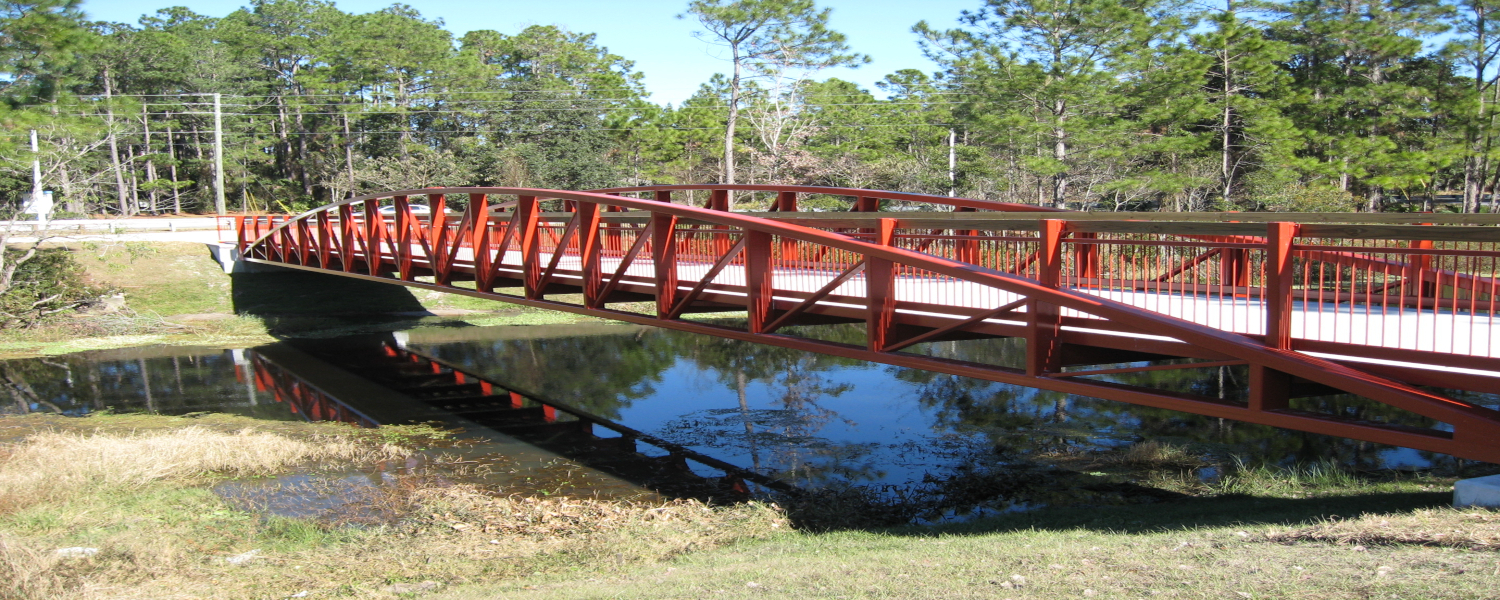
[645, 31]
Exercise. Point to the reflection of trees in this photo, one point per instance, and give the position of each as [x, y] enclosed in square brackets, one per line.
[785, 440]
[1019, 419]
[78, 385]
[600, 374]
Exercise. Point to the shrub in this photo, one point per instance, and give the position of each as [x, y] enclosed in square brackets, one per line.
[49, 283]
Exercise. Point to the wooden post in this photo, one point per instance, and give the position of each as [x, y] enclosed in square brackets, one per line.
[880, 290]
[758, 279]
[1042, 349]
[664, 255]
[527, 216]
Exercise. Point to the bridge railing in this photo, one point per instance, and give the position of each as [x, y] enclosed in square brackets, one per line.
[918, 277]
[1400, 292]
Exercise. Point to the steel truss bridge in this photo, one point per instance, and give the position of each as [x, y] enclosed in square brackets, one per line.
[1384, 312]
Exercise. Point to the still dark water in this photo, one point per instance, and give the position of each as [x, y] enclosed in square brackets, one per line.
[810, 419]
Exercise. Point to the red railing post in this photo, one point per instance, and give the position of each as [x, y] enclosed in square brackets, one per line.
[239, 226]
[374, 237]
[478, 217]
[1270, 389]
[1277, 293]
[664, 257]
[325, 236]
[437, 237]
[786, 202]
[528, 214]
[1422, 264]
[1043, 353]
[758, 279]
[717, 200]
[589, 249]
[866, 204]
[404, 239]
[967, 248]
[1085, 260]
[346, 236]
[880, 289]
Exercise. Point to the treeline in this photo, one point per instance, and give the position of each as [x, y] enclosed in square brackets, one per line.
[1097, 104]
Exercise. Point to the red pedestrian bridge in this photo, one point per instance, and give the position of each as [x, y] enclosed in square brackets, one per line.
[1400, 314]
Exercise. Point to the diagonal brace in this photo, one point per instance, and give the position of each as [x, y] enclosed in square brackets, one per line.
[858, 268]
[917, 339]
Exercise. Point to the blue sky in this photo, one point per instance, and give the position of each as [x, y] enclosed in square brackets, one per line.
[645, 31]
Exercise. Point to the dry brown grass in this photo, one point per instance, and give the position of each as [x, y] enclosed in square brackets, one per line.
[138, 493]
[1458, 528]
[53, 465]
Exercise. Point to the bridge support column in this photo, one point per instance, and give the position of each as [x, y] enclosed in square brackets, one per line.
[880, 290]
[664, 255]
[528, 211]
[1043, 352]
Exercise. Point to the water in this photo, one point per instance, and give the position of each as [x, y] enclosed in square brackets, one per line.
[810, 419]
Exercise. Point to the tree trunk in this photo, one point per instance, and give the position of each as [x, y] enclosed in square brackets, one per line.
[1060, 154]
[150, 164]
[172, 154]
[734, 117]
[114, 148]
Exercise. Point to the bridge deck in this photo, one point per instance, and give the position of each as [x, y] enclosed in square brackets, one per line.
[1441, 330]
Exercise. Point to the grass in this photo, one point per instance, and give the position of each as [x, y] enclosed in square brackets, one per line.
[159, 531]
[137, 492]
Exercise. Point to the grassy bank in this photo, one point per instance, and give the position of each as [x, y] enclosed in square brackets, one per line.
[123, 506]
[176, 294]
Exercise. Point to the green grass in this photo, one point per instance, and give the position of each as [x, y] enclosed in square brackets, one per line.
[1216, 548]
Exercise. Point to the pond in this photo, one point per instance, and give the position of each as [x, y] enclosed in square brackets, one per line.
[812, 420]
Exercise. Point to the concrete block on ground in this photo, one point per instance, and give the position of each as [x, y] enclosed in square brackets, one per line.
[1479, 491]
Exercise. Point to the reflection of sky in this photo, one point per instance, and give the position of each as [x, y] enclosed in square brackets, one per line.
[879, 421]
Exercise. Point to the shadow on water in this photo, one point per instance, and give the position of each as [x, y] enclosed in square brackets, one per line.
[273, 292]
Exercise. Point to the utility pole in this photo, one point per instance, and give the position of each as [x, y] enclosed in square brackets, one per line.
[952, 163]
[218, 158]
[36, 170]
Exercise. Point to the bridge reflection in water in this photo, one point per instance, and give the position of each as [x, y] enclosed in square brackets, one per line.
[1382, 312]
